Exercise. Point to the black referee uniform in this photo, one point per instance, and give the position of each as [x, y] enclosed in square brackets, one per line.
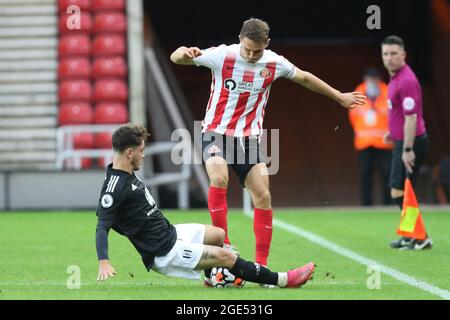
[127, 207]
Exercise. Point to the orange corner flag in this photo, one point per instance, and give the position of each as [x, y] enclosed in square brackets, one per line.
[411, 223]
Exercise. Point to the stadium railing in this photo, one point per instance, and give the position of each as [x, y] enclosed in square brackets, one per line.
[70, 158]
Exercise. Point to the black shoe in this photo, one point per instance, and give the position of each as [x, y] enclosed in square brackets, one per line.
[419, 244]
[403, 242]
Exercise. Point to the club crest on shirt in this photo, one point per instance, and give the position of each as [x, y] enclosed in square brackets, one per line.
[265, 73]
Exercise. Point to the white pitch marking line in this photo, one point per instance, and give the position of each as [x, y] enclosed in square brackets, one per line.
[422, 285]
[444, 294]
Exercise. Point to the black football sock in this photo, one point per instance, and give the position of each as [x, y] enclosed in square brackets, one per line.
[399, 202]
[207, 273]
[254, 272]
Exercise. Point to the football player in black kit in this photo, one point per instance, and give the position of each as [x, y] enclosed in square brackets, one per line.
[182, 250]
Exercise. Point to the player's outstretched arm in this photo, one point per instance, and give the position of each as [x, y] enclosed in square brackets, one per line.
[185, 55]
[348, 100]
[105, 270]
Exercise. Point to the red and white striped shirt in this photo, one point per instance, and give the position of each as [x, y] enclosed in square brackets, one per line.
[239, 89]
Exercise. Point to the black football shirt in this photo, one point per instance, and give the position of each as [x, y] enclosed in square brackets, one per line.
[127, 207]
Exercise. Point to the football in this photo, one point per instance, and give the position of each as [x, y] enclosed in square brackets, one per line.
[223, 278]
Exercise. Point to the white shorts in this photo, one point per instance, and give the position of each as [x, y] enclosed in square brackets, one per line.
[185, 254]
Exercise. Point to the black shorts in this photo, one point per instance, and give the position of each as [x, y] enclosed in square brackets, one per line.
[398, 170]
[241, 154]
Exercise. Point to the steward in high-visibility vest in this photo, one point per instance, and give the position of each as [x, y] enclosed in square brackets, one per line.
[370, 124]
[370, 121]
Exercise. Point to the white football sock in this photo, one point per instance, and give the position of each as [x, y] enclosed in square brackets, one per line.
[282, 279]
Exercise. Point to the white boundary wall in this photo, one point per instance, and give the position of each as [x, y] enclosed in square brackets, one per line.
[50, 190]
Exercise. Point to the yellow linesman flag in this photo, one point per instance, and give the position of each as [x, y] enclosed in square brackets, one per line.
[411, 223]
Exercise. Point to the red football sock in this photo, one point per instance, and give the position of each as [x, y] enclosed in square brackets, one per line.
[217, 204]
[262, 226]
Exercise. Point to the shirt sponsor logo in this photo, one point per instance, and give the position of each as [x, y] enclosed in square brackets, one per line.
[229, 84]
[107, 201]
[408, 103]
[245, 86]
[241, 86]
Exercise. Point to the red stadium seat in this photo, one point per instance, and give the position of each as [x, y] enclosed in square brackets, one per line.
[103, 162]
[110, 67]
[83, 140]
[74, 44]
[110, 22]
[84, 5]
[86, 163]
[74, 67]
[100, 5]
[111, 45]
[111, 90]
[103, 140]
[86, 23]
[75, 113]
[75, 90]
[111, 113]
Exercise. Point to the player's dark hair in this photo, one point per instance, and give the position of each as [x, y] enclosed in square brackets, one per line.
[128, 136]
[256, 30]
[394, 40]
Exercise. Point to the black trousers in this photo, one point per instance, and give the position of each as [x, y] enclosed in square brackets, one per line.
[371, 160]
[398, 171]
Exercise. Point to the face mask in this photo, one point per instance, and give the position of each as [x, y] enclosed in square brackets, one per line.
[372, 90]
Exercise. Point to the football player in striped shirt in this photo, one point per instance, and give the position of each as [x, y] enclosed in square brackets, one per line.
[242, 75]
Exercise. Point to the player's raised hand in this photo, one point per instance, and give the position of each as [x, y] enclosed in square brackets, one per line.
[194, 52]
[184, 55]
[105, 270]
[351, 100]
[190, 53]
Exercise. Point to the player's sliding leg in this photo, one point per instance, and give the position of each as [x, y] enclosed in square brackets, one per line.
[217, 170]
[257, 183]
[254, 272]
[214, 236]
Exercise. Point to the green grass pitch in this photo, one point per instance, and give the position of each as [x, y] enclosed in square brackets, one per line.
[38, 248]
